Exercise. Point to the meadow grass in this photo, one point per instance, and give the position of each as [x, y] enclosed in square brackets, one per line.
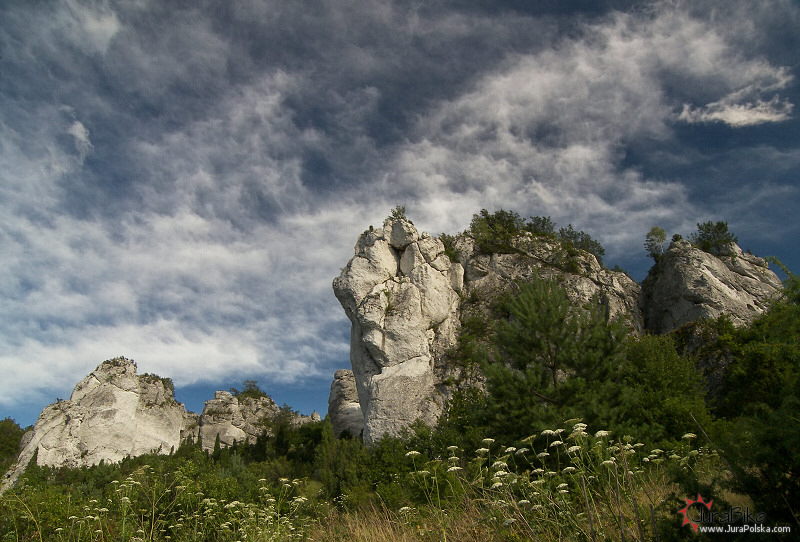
[561, 484]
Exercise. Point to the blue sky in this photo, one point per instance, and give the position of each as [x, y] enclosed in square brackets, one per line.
[181, 181]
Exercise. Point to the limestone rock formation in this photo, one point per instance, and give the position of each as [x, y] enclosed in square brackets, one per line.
[344, 410]
[400, 292]
[402, 295]
[581, 275]
[688, 284]
[234, 419]
[111, 414]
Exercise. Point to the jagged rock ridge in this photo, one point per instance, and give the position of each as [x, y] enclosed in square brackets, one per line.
[240, 419]
[114, 413]
[401, 293]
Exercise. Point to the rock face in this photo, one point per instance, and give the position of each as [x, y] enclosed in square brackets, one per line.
[239, 419]
[688, 284]
[583, 278]
[234, 419]
[111, 414]
[344, 410]
[403, 294]
[400, 292]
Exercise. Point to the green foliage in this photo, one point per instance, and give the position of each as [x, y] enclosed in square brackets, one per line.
[249, 389]
[495, 232]
[547, 356]
[167, 382]
[660, 392]
[582, 241]
[10, 437]
[449, 242]
[398, 213]
[713, 238]
[654, 242]
[541, 226]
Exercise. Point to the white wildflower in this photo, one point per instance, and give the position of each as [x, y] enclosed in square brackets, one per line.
[601, 434]
[556, 443]
[412, 453]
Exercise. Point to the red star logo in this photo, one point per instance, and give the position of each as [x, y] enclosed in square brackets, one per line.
[685, 510]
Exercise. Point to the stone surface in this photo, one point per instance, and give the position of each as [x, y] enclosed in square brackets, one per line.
[403, 308]
[344, 410]
[112, 413]
[234, 419]
[688, 284]
[584, 279]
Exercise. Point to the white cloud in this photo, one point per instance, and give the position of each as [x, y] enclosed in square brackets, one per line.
[739, 115]
[81, 139]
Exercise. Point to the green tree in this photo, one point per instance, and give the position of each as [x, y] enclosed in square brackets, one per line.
[712, 237]
[10, 436]
[550, 357]
[581, 240]
[541, 226]
[398, 213]
[495, 232]
[660, 392]
[654, 242]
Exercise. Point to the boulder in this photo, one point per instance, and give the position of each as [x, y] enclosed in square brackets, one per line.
[344, 410]
[234, 419]
[688, 284]
[403, 296]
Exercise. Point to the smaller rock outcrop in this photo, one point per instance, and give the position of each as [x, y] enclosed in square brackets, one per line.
[344, 410]
[688, 284]
[234, 419]
[112, 413]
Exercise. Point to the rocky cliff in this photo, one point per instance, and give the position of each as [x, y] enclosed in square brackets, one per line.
[344, 410]
[403, 294]
[688, 284]
[111, 414]
[405, 299]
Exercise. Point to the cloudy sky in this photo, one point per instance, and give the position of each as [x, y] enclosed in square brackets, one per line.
[181, 181]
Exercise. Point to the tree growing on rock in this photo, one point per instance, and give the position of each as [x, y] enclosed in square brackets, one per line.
[712, 237]
[654, 242]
